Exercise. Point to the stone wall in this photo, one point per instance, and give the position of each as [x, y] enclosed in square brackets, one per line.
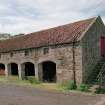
[62, 55]
[91, 53]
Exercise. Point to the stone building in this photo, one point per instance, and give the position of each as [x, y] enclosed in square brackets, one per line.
[58, 54]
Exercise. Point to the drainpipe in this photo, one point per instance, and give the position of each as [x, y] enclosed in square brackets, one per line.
[74, 71]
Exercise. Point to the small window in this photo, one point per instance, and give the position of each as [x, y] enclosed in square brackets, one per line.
[26, 53]
[11, 54]
[45, 50]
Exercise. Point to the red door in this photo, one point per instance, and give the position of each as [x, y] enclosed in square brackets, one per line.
[102, 46]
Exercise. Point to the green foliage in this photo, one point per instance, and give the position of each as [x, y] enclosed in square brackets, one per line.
[69, 85]
[100, 90]
[84, 87]
[33, 80]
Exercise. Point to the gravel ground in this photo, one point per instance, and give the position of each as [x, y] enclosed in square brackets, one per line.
[19, 95]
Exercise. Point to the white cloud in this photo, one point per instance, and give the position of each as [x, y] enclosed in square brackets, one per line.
[24, 16]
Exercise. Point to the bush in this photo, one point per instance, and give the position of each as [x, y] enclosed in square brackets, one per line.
[84, 87]
[100, 90]
[70, 85]
[33, 80]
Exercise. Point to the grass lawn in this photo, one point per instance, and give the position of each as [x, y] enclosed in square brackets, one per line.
[36, 84]
[15, 80]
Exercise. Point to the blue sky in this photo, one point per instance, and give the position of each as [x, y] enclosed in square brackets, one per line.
[25, 16]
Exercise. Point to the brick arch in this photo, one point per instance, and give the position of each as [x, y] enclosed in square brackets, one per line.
[13, 61]
[3, 62]
[46, 59]
[27, 60]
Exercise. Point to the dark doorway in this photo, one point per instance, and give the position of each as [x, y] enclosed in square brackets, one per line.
[2, 69]
[49, 71]
[29, 69]
[14, 69]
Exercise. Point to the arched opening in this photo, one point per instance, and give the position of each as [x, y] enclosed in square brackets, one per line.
[29, 69]
[49, 71]
[14, 69]
[2, 69]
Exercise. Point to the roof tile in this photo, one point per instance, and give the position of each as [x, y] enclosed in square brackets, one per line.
[58, 35]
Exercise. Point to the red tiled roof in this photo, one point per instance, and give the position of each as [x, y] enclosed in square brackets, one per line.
[58, 35]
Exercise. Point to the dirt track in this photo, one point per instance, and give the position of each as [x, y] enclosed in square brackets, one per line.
[18, 95]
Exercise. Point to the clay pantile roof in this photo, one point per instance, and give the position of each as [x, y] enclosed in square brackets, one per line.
[58, 35]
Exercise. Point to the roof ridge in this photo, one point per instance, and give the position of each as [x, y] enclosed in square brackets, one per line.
[88, 28]
[62, 25]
